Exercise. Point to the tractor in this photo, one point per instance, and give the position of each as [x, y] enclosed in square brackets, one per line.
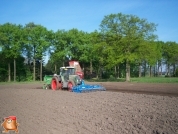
[66, 79]
[71, 78]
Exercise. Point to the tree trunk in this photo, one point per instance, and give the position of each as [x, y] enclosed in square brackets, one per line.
[41, 69]
[127, 71]
[14, 70]
[34, 73]
[161, 68]
[145, 69]
[174, 69]
[63, 64]
[101, 72]
[55, 69]
[97, 75]
[91, 68]
[154, 71]
[150, 71]
[115, 71]
[118, 71]
[168, 69]
[159, 63]
[140, 70]
[19, 77]
[9, 72]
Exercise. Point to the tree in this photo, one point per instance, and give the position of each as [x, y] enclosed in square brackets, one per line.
[17, 45]
[30, 46]
[130, 31]
[153, 55]
[11, 44]
[99, 53]
[42, 44]
[142, 54]
[3, 68]
[170, 54]
[36, 45]
[91, 50]
[160, 56]
[76, 42]
[59, 49]
[148, 52]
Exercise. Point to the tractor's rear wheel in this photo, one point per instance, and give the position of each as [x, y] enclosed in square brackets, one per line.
[70, 85]
[54, 83]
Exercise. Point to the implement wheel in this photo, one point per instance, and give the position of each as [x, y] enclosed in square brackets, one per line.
[54, 83]
[70, 85]
[47, 87]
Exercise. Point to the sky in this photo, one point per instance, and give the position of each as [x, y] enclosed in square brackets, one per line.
[86, 15]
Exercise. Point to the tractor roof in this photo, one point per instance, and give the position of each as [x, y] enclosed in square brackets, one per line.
[66, 67]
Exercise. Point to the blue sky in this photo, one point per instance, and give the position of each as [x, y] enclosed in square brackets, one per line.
[86, 15]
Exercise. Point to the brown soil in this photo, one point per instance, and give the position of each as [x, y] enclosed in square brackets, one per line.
[167, 89]
[153, 111]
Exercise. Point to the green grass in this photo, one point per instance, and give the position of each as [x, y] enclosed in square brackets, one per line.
[140, 80]
[155, 80]
[134, 80]
[105, 80]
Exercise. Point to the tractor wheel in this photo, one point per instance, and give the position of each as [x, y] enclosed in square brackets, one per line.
[54, 83]
[70, 85]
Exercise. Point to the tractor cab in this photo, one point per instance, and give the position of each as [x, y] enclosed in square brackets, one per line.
[66, 72]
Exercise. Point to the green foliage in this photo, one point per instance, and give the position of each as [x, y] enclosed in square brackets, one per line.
[111, 78]
[3, 74]
[60, 49]
[37, 43]
[176, 73]
[36, 40]
[29, 75]
[170, 52]
[10, 39]
[124, 36]
[123, 41]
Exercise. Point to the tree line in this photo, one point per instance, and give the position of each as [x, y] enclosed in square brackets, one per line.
[124, 46]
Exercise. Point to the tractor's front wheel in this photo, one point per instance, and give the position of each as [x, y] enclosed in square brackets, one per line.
[70, 85]
[54, 83]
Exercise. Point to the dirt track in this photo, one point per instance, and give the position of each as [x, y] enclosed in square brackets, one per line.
[60, 112]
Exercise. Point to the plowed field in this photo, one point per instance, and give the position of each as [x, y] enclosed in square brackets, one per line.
[136, 108]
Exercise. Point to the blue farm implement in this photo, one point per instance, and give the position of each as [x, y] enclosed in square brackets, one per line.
[87, 88]
[70, 78]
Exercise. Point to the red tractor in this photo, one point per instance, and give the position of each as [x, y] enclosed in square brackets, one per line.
[71, 78]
